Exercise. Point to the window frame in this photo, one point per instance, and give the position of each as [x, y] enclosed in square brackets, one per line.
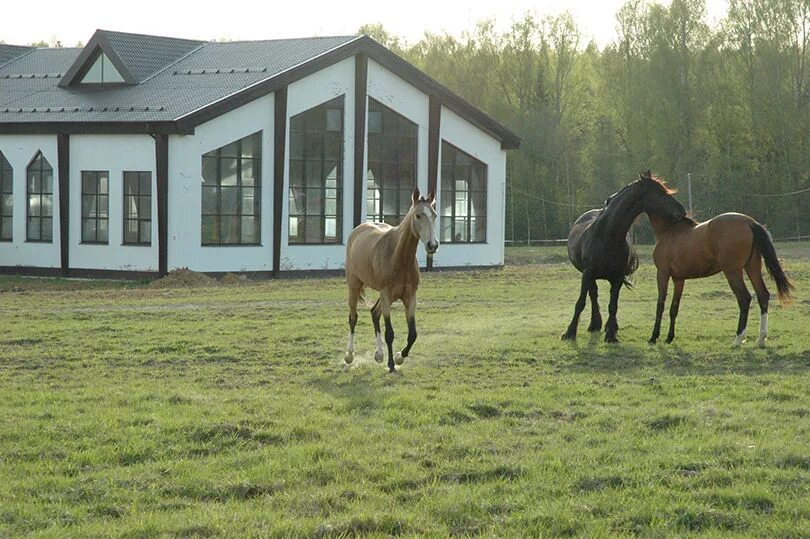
[389, 155]
[254, 161]
[126, 218]
[6, 190]
[39, 156]
[304, 129]
[448, 188]
[97, 194]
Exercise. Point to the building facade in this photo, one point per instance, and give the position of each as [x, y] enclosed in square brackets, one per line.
[142, 154]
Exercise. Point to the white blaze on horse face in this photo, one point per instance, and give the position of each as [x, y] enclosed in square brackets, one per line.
[426, 224]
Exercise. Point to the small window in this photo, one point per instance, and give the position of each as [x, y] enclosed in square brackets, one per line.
[40, 200]
[231, 193]
[137, 208]
[95, 206]
[102, 71]
[464, 197]
[6, 198]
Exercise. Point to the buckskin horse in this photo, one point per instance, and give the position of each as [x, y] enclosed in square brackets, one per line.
[598, 246]
[383, 258]
[731, 243]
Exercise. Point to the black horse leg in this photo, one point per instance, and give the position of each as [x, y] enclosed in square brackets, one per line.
[596, 316]
[735, 281]
[612, 326]
[673, 309]
[389, 340]
[571, 332]
[663, 284]
[375, 319]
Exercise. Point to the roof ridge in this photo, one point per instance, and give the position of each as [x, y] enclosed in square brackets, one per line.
[149, 35]
[23, 55]
[282, 39]
[189, 53]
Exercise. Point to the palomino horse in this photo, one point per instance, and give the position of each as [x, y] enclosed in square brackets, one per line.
[598, 246]
[383, 257]
[731, 243]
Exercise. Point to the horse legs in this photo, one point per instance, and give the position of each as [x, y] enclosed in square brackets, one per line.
[354, 293]
[385, 307]
[375, 319]
[612, 325]
[754, 271]
[596, 317]
[410, 315]
[663, 284]
[673, 308]
[735, 281]
[571, 332]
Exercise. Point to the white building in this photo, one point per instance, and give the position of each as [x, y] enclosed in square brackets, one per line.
[141, 154]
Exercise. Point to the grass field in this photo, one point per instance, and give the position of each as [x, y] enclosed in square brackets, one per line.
[226, 411]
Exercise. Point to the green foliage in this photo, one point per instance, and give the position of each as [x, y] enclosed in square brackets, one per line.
[227, 411]
[729, 105]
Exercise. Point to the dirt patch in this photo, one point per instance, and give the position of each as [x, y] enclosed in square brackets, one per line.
[233, 279]
[183, 278]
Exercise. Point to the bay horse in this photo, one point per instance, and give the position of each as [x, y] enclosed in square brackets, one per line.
[599, 247]
[383, 258]
[731, 243]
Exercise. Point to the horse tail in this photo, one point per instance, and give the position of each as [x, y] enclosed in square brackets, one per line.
[631, 267]
[763, 242]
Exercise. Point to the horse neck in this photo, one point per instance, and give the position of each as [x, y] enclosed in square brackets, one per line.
[662, 226]
[619, 216]
[406, 242]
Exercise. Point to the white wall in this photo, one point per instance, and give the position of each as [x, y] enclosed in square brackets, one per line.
[304, 94]
[463, 135]
[114, 154]
[20, 150]
[185, 192]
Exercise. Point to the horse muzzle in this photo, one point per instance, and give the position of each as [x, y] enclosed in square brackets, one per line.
[431, 247]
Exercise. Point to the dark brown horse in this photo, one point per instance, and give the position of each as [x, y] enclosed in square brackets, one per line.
[731, 243]
[598, 246]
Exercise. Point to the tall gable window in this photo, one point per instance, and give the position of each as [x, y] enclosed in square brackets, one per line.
[137, 208]
[40, 200]
[231, 193]
[95, 206]
[102, 71]
[316, 174]
[464, 197]
[6, 198]
[391, 174]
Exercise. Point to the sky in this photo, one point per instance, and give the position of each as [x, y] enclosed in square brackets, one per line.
[74, 21]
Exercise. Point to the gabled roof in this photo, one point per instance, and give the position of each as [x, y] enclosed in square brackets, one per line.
[172, 85]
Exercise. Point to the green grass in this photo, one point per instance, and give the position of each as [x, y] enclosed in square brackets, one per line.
[227, 411]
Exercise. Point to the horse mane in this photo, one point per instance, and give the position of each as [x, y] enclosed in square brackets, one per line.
[662, 183]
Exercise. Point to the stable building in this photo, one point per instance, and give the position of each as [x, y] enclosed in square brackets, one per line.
[140, 154]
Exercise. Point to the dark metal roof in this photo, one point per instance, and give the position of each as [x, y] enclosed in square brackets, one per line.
[173, 85]
[10, 52]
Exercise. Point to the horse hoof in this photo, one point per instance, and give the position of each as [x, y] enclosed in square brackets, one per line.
[379, 356]
[568, 337]
[652, 340]
[398, 359]
[348, 357]
[611, 339]
[761, 342]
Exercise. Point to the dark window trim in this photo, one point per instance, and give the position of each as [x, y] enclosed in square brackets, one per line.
[6, 168]
[307, 133]
[468, 217]
[398, 161]
[257, 194]
[43, 161]
[138, 218]
[97, 176]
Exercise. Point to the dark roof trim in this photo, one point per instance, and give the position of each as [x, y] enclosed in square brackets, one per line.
[88, 128]
[98, 43]
[381, 55]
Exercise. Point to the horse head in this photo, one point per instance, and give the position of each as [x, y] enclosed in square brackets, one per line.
[423, 221]
[656, 198]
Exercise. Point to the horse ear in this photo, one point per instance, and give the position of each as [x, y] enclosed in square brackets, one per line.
[415, 196]
[431, 197]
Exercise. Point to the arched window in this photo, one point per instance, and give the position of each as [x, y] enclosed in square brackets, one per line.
[391, 176]
[231, 193]
[316, 174]
[464, 197]
[40, 200]
[6, 198]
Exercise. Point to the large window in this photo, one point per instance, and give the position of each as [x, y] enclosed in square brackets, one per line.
[6, 198]
[137, 208]
[231, 193]
[316, 174]
[391, 174]
[464, 197]
[40, 199]
[95, 206]
[102, 71]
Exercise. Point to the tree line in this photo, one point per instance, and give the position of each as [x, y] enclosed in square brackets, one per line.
[726, 105]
